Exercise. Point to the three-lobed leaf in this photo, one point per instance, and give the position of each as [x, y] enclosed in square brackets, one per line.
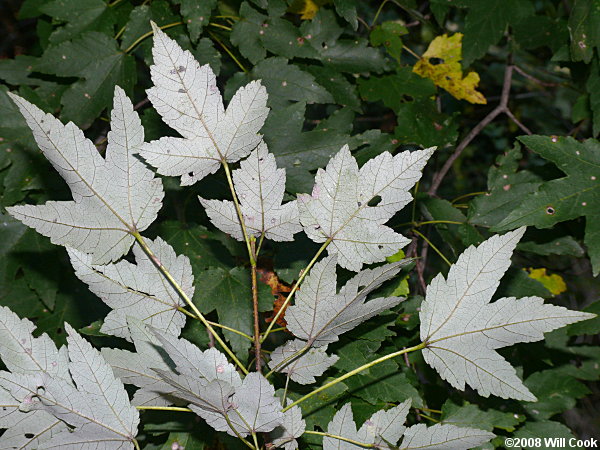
[139, 290]
[260, 186]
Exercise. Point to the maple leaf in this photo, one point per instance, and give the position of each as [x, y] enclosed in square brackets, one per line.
[385, 428]
[349, 206]
[138, 290]
[91, 400]
[319, 314]
[577, 194]
[185, 94]
[260, 186]
[112, 197]
[441, 64]
[462, 329]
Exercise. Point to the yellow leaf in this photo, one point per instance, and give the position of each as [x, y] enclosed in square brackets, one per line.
[441, 64]
[554, 283]
[306, 8]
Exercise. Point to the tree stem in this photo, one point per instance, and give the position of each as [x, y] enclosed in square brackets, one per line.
[257, 354]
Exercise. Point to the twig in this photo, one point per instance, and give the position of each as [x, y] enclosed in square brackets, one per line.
[501, 108]
[534, 79]
[519, 124]
[141, 103]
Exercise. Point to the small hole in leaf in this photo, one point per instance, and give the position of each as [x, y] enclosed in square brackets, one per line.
[375, 201]
[435, 61]
[380, 246]
[550, 210]
[59, 331]
[190, 174]
[359, 204]
[29, 435]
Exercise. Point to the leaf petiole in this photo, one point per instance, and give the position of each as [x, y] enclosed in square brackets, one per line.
[342, 438]
[354, 372]
[140, 239]
[295, 288]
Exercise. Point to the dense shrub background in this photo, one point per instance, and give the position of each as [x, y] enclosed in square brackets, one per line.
[337, 72]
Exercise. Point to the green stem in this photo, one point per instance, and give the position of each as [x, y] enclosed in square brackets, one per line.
[437, 250]
[136, 444]
[239, 436]
[163, 408]
[470, 194]
[149, 33]
[342, 438]
[231, 55]
[354, 372]
[295, 288]
[238, 210]
[215, 324]
[429, 418]
[378, 12]
[287, 360]
[218, 25]
[429, 222]
[255, 440]
[139, 238]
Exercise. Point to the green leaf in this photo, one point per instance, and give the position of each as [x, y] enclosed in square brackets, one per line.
[229, 293]
[577, 194]
[517, 283]
[506, 187]
[543, 430]
[347, 9]
[181, 440]
[486, 22]
[282, 38]
[16, 71]
[199, 244]
[300, 152]
[80, 16]
[584, 28]
[539, 31]
[556, 393]
[196, 15]
[137, 25]
[343, 92]
[590, 327]
[389, 35]
[394, 90]
[352, 56]
[420, 123]
[87, 98]
[74, 57]
[286, 82]
[565, 245]
[469, 415]
[245, 33]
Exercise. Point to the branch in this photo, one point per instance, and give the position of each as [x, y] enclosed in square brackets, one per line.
[501, 108]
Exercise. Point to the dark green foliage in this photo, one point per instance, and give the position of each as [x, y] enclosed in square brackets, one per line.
[343, 77]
